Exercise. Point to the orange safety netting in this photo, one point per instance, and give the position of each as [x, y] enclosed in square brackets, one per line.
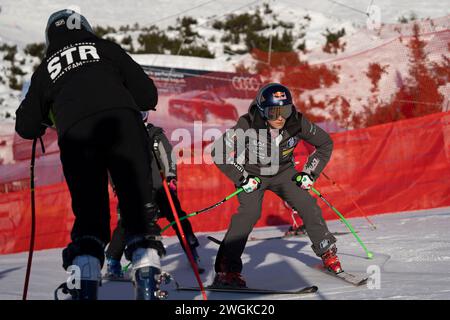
[393, 167]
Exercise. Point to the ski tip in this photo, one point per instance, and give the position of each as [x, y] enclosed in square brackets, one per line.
[362, 282]
[306, 290]
[311, 289]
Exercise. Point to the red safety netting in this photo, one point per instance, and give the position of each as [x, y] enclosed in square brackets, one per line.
[394, 167]
[389, 168]
[54, 218]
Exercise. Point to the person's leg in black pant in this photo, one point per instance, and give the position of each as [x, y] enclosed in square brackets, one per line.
[166, 211]
[228, 258]
[84, 162]
[85, 169]
[115, 251]
[306, 205]
[114, 141]
[117, 245]
[129, 160]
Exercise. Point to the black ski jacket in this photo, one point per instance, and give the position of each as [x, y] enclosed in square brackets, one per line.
[160, 143]
[81, 75]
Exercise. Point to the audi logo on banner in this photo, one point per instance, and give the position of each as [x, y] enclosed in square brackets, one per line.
[245, 83]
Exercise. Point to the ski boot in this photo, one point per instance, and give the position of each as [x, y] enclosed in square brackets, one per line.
[147, 284]
[147, 275]
[113, 269]
[86, 287]
[229, 280]
[200, 267]
[162, 278]
[331, 261]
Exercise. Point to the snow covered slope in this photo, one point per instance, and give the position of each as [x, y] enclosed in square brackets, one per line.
[411, 250]
[24, 21]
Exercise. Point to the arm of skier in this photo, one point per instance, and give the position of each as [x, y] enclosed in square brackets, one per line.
[33, 111]
[225, 156]
[320, 139]
[138, 83]
[170, 165]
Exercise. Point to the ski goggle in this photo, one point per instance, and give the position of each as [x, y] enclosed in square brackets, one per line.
[275, 112]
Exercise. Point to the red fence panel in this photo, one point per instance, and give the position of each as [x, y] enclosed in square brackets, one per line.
[389, 168]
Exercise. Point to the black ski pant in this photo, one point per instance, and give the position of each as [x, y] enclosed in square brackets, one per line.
[229, 256]
[113, 141]
[117, 244]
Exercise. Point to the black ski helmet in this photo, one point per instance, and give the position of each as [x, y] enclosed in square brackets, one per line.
[274, 100]
[68, 18]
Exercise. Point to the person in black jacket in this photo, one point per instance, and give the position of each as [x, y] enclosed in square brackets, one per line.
[257, 155]
[95, 92]
[158, 140]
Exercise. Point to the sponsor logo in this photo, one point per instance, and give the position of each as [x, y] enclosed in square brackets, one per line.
[70, 58]
[288, 151]
[312, 129]
[279, 95]
[60, 22]
[238, 167]
[324, 244]
[245, 83]
[313, 165]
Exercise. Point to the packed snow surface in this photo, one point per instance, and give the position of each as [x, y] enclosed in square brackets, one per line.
[411, 250]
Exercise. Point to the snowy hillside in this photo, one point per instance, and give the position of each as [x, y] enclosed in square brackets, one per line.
[390, 49]
[22, 23]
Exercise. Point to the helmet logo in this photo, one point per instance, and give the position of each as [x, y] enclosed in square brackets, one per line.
[59, 22]
[279, 95]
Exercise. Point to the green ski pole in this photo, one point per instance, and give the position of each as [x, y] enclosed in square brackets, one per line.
[239, 190]
[349, 226]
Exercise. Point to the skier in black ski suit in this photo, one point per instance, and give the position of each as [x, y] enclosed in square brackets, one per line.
[257, 155]
[95, 92]
[158, 140]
